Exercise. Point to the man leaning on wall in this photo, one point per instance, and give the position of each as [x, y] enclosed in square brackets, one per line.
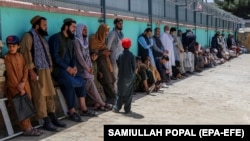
[35, 50]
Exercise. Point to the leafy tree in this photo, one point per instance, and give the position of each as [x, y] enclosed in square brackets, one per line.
[240, 8]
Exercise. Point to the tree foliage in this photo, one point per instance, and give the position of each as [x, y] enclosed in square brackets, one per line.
[240, 8]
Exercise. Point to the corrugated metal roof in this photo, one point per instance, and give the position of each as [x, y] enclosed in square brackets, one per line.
[246, 29]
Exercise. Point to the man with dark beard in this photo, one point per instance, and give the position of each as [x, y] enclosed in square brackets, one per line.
[65, 71]
[35, 50]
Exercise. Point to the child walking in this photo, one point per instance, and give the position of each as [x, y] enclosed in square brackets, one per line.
[17, 80]
[126, 63]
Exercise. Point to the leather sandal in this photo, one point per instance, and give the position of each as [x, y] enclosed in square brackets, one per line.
[89, 113]
[32, 132]
[100, 108]
[108, 106]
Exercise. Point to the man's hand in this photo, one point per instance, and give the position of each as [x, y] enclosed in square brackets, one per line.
[100, 75]
[106, 52]
[74, 71]
[22, 92]
[90, 70]
[165, 52]
[167, 71]
[136, 70]
[20, 86]
[70, 70]
[33, 75]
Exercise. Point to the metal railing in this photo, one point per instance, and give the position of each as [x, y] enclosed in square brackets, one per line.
[192, 12]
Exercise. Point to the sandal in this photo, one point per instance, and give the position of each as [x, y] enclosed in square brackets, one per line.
[108, 106]
[100, 108]
[37, 130]
[89, 113]
[32, 132]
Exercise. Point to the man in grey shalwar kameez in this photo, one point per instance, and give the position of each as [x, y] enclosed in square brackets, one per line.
[85, 69]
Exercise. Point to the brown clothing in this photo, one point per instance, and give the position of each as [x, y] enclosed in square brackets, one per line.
[43, 87]
[108, 78]
[179, 45]
[17, 72]
[25, 124]
[97, 83]
[44, 84]
[155, 72]
[98, 42]
[26, 47]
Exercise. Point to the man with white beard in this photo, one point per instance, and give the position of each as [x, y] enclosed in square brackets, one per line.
[167, 41]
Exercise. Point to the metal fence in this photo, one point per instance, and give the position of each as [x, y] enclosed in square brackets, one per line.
[191, 12]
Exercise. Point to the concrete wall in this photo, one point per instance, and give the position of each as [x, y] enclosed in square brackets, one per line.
[16, 21]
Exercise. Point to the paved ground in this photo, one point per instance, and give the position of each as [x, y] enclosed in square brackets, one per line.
[218, 95]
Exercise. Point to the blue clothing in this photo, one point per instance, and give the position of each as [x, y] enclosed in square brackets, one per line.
[71, 85]
[63, 56]
[145, 48]
[40, 50]
[62, 60]
[214, 42]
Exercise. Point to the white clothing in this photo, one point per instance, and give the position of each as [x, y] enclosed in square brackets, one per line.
[189, 61]
[167, 42]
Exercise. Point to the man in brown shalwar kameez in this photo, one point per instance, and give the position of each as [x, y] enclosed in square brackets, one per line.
[35, 50]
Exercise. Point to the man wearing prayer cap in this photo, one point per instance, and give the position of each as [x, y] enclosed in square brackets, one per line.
[67, 20]
[65, 71]
[35, 50]
[35, 19]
